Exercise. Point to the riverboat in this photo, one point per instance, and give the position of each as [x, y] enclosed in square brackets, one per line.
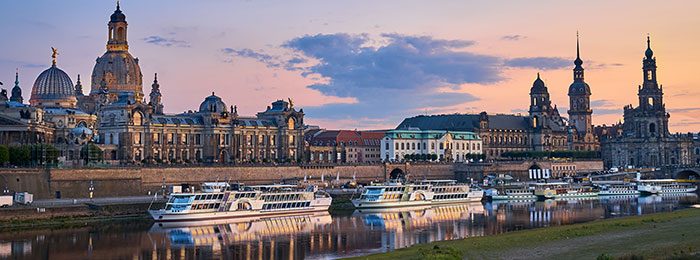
[561, 190]
[663, 187]
[237, 201]
[618, 189]
[396, 194]
[512, 193]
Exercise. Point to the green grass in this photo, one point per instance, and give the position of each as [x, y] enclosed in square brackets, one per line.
[662, 235]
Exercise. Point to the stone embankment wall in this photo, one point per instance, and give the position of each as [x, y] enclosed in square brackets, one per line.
[111, 182]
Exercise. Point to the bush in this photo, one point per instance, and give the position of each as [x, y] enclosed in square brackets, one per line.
[437, 252]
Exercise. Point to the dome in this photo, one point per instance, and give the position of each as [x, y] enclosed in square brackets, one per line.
[117, 16]
[79, 130]
[53, 88]
[213, 104]
[538, 86]
[121, 72]
[579, 87]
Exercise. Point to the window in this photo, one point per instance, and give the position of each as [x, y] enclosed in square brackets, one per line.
[137, 138]
[386, 146]
[197, 139]
[397, 146]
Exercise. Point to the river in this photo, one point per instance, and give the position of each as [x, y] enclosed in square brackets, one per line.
[323, 235]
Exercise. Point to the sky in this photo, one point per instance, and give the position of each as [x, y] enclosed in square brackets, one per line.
[369, 64]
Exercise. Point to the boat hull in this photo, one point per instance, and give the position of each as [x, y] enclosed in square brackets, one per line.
[163, 216]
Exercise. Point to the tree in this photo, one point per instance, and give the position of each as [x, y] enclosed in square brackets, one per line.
[20, 155]
[433, 157]
[90, 153]
[4, 154]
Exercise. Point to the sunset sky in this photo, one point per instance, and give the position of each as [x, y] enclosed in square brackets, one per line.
[368, 64]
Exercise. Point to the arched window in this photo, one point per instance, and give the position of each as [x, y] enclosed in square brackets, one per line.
[652, 128]
[138, 118]
[650, 101]
[121, 35]
[534, 122]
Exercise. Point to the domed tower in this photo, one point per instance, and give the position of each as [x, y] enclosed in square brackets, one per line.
[540, 105]
[120, 70]
[580, 98]
[53, 88]
[16, 90]
[155, 97]
[212, 104]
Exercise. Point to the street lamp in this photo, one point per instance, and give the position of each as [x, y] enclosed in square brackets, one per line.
[91, 189]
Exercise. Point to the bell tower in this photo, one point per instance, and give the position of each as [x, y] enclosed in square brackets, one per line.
[117, 31]
[580, 98]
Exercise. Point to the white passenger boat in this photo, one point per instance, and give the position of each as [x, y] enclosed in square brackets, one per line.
[242, 202]
[618, 189]
[396, 194]
[559, 190]
[449, 191]
[512, 193]
[664, 186]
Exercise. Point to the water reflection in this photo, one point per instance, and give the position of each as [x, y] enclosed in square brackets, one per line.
[320, 235]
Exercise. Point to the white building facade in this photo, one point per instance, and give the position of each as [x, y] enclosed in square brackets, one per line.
[430, 145]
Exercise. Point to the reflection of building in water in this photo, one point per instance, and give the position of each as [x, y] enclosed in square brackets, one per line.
[528, 214]
[452, 222]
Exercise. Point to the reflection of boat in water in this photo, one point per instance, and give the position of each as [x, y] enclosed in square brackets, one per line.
[656, 198]
[396, 194]
[241, 202]
[399, 218]
[203, 233]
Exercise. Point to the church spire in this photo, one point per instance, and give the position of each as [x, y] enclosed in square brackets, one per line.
[16, 90]
[578, 69]
[79, 87]
[156, 97]
[649, 53]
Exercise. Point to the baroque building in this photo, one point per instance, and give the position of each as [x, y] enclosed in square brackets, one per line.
[643, 139]
[130, 130]
[543, 129]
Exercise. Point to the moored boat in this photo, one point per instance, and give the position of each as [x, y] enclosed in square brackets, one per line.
[664, 187]
[512, 193]
[396, 194]
[618, 189]
[558, 190]
[242, 202]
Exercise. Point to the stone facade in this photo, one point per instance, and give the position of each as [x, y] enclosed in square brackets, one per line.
[644, 139]
[344, 146]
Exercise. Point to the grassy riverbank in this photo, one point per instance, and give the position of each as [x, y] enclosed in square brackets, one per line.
[674, 235]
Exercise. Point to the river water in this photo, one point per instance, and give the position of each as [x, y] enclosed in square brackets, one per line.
[323, 235]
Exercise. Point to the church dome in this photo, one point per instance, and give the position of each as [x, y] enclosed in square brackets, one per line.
[117, 16]
[121, 72]
[579, 87]
[53, 88]
[538, 86]
[212, 104]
